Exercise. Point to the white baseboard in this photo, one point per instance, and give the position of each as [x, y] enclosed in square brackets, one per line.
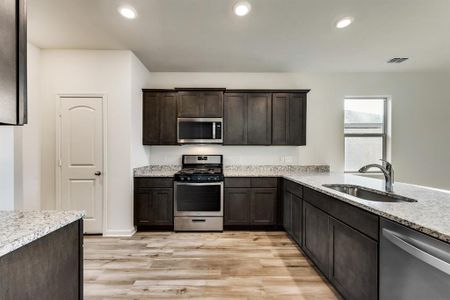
[120, 232]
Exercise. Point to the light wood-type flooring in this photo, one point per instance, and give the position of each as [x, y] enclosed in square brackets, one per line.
[229, 265]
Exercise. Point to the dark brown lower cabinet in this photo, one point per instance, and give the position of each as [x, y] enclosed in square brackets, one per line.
[154, 207]
[237, 206]
[287, 211]
[50, 267]
[247, 206]
[316, 236]
[353, 262]
[263, 204]
[296, 218]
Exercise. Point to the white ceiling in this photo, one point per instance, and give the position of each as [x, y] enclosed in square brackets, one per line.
[277, 35]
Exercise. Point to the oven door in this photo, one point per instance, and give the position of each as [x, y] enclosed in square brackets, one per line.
[198, 199]
[199, 130]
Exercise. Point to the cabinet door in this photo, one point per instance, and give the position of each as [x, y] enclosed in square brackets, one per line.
[280, 118]
[235, 119]
[353, 262]
[213, 105]
[162, 207]
[296, 218]
[151, 119]
[289, 119]
[168, 118]
[263, 206]
[237, 206]
[297, 120]
[316, 236]
[287, 211]
[259, 119]
[142, 207]
[190, 104]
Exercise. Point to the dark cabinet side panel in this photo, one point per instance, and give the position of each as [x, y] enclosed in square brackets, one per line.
[316, 236]
[237, 206]
[263, 206]
[353, 262]
[168, 118]
[151, 119]
[259, 119]
[235, 119]
[47, 268]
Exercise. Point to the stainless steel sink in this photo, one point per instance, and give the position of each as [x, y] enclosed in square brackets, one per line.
[368, 194]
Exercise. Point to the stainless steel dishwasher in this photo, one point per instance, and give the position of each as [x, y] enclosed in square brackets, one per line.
[412, 265]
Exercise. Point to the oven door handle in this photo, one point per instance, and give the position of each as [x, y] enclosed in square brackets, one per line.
[198, 183]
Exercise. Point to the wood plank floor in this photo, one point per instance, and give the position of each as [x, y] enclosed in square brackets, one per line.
[229, 265]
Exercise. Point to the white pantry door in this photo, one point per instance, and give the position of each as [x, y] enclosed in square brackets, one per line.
[81, 159]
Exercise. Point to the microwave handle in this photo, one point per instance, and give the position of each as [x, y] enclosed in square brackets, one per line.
[214, 130]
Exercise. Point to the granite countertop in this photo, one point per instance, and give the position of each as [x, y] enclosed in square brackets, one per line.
[18, 228]
[430, 215]
[234, 170]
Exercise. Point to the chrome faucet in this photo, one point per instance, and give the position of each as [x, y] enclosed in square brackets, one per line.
[388, 172]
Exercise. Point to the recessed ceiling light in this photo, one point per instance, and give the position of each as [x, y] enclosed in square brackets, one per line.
[242, 8]
[128, 12]
[342, 23]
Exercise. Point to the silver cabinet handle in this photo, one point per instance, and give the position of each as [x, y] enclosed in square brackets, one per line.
[420, 254]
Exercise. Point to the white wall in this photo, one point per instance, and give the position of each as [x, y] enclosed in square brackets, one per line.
[92, 72]
[140, 78]
[6, 168]
[28, 140]
[420, 114]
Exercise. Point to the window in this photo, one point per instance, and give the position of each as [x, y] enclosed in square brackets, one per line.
[364, 132]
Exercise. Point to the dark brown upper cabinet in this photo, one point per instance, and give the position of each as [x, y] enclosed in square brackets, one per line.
[289, 119]
[200, 104]
[235, 119]
[247, 118]
[160, 118]
[13, 62]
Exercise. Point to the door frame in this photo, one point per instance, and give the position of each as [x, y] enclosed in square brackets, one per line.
[58, 165]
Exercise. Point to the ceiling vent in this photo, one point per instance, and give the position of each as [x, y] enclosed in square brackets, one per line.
[397, 60]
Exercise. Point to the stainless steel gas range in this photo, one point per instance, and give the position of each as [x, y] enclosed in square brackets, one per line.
[198, 199]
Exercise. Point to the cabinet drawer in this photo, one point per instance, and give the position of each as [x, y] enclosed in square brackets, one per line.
[294, 188]
[359, 219]
[264, 182]
[147, 182]
[237, 182]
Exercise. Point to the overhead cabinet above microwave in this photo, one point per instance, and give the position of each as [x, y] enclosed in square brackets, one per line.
[219, 116]
[13, 54]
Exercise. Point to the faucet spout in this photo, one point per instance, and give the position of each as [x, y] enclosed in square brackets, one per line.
[388, 172]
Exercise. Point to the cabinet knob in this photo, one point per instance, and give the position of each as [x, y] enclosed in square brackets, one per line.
[98, 173]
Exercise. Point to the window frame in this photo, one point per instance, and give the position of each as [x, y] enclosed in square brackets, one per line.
[383, 135]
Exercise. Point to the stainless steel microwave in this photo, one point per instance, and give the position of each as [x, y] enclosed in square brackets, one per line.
[200, 130]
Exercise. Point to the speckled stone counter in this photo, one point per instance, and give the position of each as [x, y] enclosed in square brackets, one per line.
[234, 170]
[19, 228]
[430, 215]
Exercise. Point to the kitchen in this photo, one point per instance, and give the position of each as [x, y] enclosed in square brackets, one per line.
[272, 125]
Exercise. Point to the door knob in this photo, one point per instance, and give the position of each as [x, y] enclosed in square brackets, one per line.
[98, 173]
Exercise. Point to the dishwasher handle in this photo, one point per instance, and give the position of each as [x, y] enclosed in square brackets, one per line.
[420, 254]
